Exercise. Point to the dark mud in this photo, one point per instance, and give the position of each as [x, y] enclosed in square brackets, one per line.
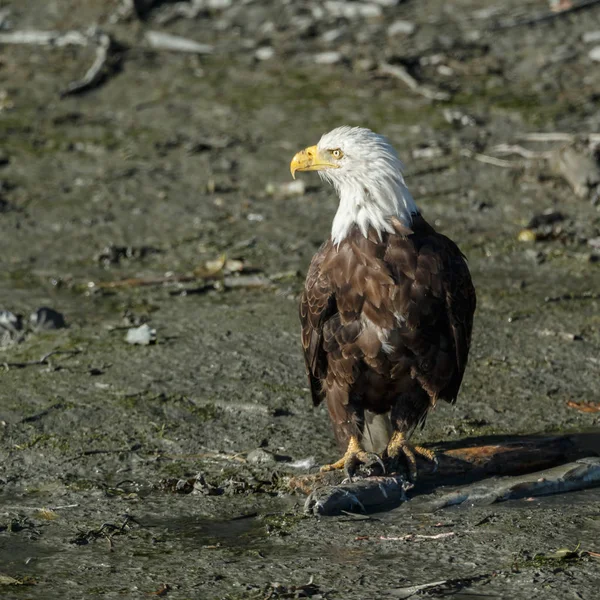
[185, 156]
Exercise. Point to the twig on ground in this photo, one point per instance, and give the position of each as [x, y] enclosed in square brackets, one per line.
[186, 10]
[491, 160]
[519, 150]
[403, 75]
[557, 136]
[99, 69]
[165, 41]
[45, 38]
[41, 361]
[228, 282]
[545, 16]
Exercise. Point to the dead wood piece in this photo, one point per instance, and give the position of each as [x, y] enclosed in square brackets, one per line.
[491, 160]
[44, 360]
[36, 37]
[578, 475]
[403, 75]
[97, 72]
[520, 151]
[579, 169]
[545, 16]
[176, 43]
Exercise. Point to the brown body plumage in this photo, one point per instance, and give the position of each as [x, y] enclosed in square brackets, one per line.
[386, 325]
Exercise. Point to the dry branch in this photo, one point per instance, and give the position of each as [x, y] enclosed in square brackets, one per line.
[403, 75]
[327, 496]
[97, 72]
[545, 16]
[581, 474]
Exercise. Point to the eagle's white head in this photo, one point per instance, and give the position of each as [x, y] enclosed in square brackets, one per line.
[367, 174]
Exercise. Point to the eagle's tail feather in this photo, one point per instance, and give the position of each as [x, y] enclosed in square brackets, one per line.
[377, 431]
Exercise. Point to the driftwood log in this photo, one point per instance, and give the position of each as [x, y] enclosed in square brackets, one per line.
[483, 461]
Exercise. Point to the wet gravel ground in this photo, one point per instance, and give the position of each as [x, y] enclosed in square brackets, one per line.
[130, 470]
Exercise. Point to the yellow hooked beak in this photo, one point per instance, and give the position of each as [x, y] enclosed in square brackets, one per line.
[310, 159]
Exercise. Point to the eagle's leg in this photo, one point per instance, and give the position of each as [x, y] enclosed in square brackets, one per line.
[399, 445]
[355, 455]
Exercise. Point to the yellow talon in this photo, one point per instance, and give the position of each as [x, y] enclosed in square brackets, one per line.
[398, 445]
[355, 454]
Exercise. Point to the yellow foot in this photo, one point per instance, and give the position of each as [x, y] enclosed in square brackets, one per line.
[398, 445]
[355, 455]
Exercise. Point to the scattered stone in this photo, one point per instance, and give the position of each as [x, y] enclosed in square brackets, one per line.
[527, 235]
[594, 243]
[143, 335]
[594, 53]
[577, 166]
[548, 217]
[591, 37]
[45, 318]
[260, 456]
[332, 35]
[352, 10]
[328, 58]
[11, 328]
[264, 53]
[113, 255]
[401, 27]
[292, 188]
[457, 117]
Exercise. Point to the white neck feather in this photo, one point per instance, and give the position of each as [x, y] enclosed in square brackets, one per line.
[371, 202]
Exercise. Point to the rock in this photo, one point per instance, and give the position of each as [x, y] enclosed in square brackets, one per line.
[264, 53]
[386, 3]
[143, 335]
[332, 35]
[590, 37]
[327, 58]
[594, 53]
[260, 456]
[46, 318]
[527, 235]
[11, 328]
[352, 10]
[401, 27]
[292, 188]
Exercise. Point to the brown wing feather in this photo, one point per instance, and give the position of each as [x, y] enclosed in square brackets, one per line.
[316, 306]
[438, 306]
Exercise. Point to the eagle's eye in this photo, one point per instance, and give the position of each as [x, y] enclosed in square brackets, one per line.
[337, 153]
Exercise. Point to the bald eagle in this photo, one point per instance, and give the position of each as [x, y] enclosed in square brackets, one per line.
[387, 307]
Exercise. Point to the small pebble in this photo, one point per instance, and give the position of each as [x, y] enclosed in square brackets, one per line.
[401, 27]
[264, 53]
[293, 188]
[591, 36]
[527, 235]
[352, 10]
[594, 53]
[46, 318]
[10, 321]
[143, 335]
[327, 58]
[260, 456]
